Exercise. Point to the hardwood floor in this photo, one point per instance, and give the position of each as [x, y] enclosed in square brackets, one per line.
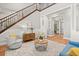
[58, 38]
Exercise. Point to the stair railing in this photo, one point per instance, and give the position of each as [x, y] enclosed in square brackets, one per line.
[12, 19]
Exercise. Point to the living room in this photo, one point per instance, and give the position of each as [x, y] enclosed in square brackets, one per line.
[51, 31]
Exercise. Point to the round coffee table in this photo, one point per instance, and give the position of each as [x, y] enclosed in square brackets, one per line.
[41, 45]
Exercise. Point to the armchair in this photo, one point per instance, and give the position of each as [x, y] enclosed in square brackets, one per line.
[14, 42]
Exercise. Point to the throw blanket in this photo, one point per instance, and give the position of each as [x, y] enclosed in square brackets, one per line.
[73, 52]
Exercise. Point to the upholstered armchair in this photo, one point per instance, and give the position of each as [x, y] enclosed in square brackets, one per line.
[14, 39]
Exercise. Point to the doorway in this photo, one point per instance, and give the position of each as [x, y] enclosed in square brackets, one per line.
[57, 25]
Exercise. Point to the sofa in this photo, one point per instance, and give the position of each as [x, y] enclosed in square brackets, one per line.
[69, 45]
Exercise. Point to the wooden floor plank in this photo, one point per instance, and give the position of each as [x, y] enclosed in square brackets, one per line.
[58, 38]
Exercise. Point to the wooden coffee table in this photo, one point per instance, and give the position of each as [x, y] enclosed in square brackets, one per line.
[41, 45]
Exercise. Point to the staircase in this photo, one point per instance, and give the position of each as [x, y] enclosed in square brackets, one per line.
[12, 19]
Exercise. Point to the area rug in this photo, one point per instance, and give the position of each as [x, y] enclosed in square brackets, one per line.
[28, 49]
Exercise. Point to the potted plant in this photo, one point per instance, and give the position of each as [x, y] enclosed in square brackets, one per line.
[41, 36]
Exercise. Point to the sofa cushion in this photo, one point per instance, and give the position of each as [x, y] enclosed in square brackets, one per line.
[73, 51]
[74, 43]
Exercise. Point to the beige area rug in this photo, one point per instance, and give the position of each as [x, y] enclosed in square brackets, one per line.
[28, 49]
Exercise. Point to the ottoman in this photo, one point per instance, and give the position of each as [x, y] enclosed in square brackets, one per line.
[14, 44]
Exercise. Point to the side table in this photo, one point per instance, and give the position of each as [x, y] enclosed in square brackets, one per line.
[28, 36]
